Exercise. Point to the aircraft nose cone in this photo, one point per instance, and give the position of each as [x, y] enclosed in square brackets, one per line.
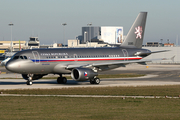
[10, 66]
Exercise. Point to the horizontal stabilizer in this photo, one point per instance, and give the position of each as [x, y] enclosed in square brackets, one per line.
[148, 53]
[160, 51]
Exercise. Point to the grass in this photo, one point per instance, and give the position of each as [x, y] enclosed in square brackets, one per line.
[173, 91]
[92, 108]
[87, 108]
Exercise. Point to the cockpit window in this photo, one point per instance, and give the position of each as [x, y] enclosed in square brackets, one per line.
[25, 57]
[16, 57]
[19, 57]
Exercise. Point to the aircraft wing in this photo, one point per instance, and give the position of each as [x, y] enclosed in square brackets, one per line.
[120, 62]
[142, 61]
[116, 63]
[104, 64]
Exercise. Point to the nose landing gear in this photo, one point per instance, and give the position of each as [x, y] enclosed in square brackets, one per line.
[29, 81]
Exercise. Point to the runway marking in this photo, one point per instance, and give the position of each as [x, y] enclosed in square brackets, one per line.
[85, 96]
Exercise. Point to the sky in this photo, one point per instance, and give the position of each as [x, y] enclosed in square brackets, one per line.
[44, 18]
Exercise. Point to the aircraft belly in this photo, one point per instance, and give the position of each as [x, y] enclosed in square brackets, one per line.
[37, 69]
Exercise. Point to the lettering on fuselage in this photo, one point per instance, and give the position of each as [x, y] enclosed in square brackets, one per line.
[46, 64]
[49, 54]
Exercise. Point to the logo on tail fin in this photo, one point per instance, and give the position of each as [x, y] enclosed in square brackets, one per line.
[138, 32]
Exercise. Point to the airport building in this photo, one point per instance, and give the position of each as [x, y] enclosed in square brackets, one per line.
[16, 45]
[19, 45]
[98, 36]
[90, 34]
[33, 42]
[112, 34]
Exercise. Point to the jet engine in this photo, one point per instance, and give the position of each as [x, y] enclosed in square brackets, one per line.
[83, 74]
[34, 76]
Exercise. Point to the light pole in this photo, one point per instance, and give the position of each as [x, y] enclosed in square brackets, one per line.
[64, 32]
[89, 24]
[11, 35]
[161, 42]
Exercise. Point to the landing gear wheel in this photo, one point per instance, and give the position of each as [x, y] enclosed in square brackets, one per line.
[29, 82]
[64, 80]
[61, 80]
[96, 81]
[92, 81]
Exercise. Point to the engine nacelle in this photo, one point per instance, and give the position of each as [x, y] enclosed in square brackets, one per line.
[34, 76]
[83, 74]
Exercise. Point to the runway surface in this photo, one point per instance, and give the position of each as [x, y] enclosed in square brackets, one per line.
[155, 75]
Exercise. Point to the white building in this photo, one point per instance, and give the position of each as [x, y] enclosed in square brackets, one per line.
[112, 35]
[76, 44]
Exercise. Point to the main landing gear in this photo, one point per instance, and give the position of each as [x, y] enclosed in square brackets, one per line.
[61, 80]
[95, 81]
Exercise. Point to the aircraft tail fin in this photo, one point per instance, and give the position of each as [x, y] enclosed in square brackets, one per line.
[135, 35]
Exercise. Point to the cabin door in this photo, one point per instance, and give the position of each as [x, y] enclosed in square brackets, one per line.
[125, 52]
[75, 57]
[36, 57]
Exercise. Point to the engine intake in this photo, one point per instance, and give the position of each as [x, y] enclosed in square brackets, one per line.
[83, 74]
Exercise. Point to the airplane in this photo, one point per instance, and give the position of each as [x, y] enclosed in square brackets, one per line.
[82, 63]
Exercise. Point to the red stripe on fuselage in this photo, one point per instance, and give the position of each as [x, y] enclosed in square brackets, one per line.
[92, 59]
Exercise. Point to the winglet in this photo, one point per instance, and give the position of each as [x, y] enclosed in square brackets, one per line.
[173, 58]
